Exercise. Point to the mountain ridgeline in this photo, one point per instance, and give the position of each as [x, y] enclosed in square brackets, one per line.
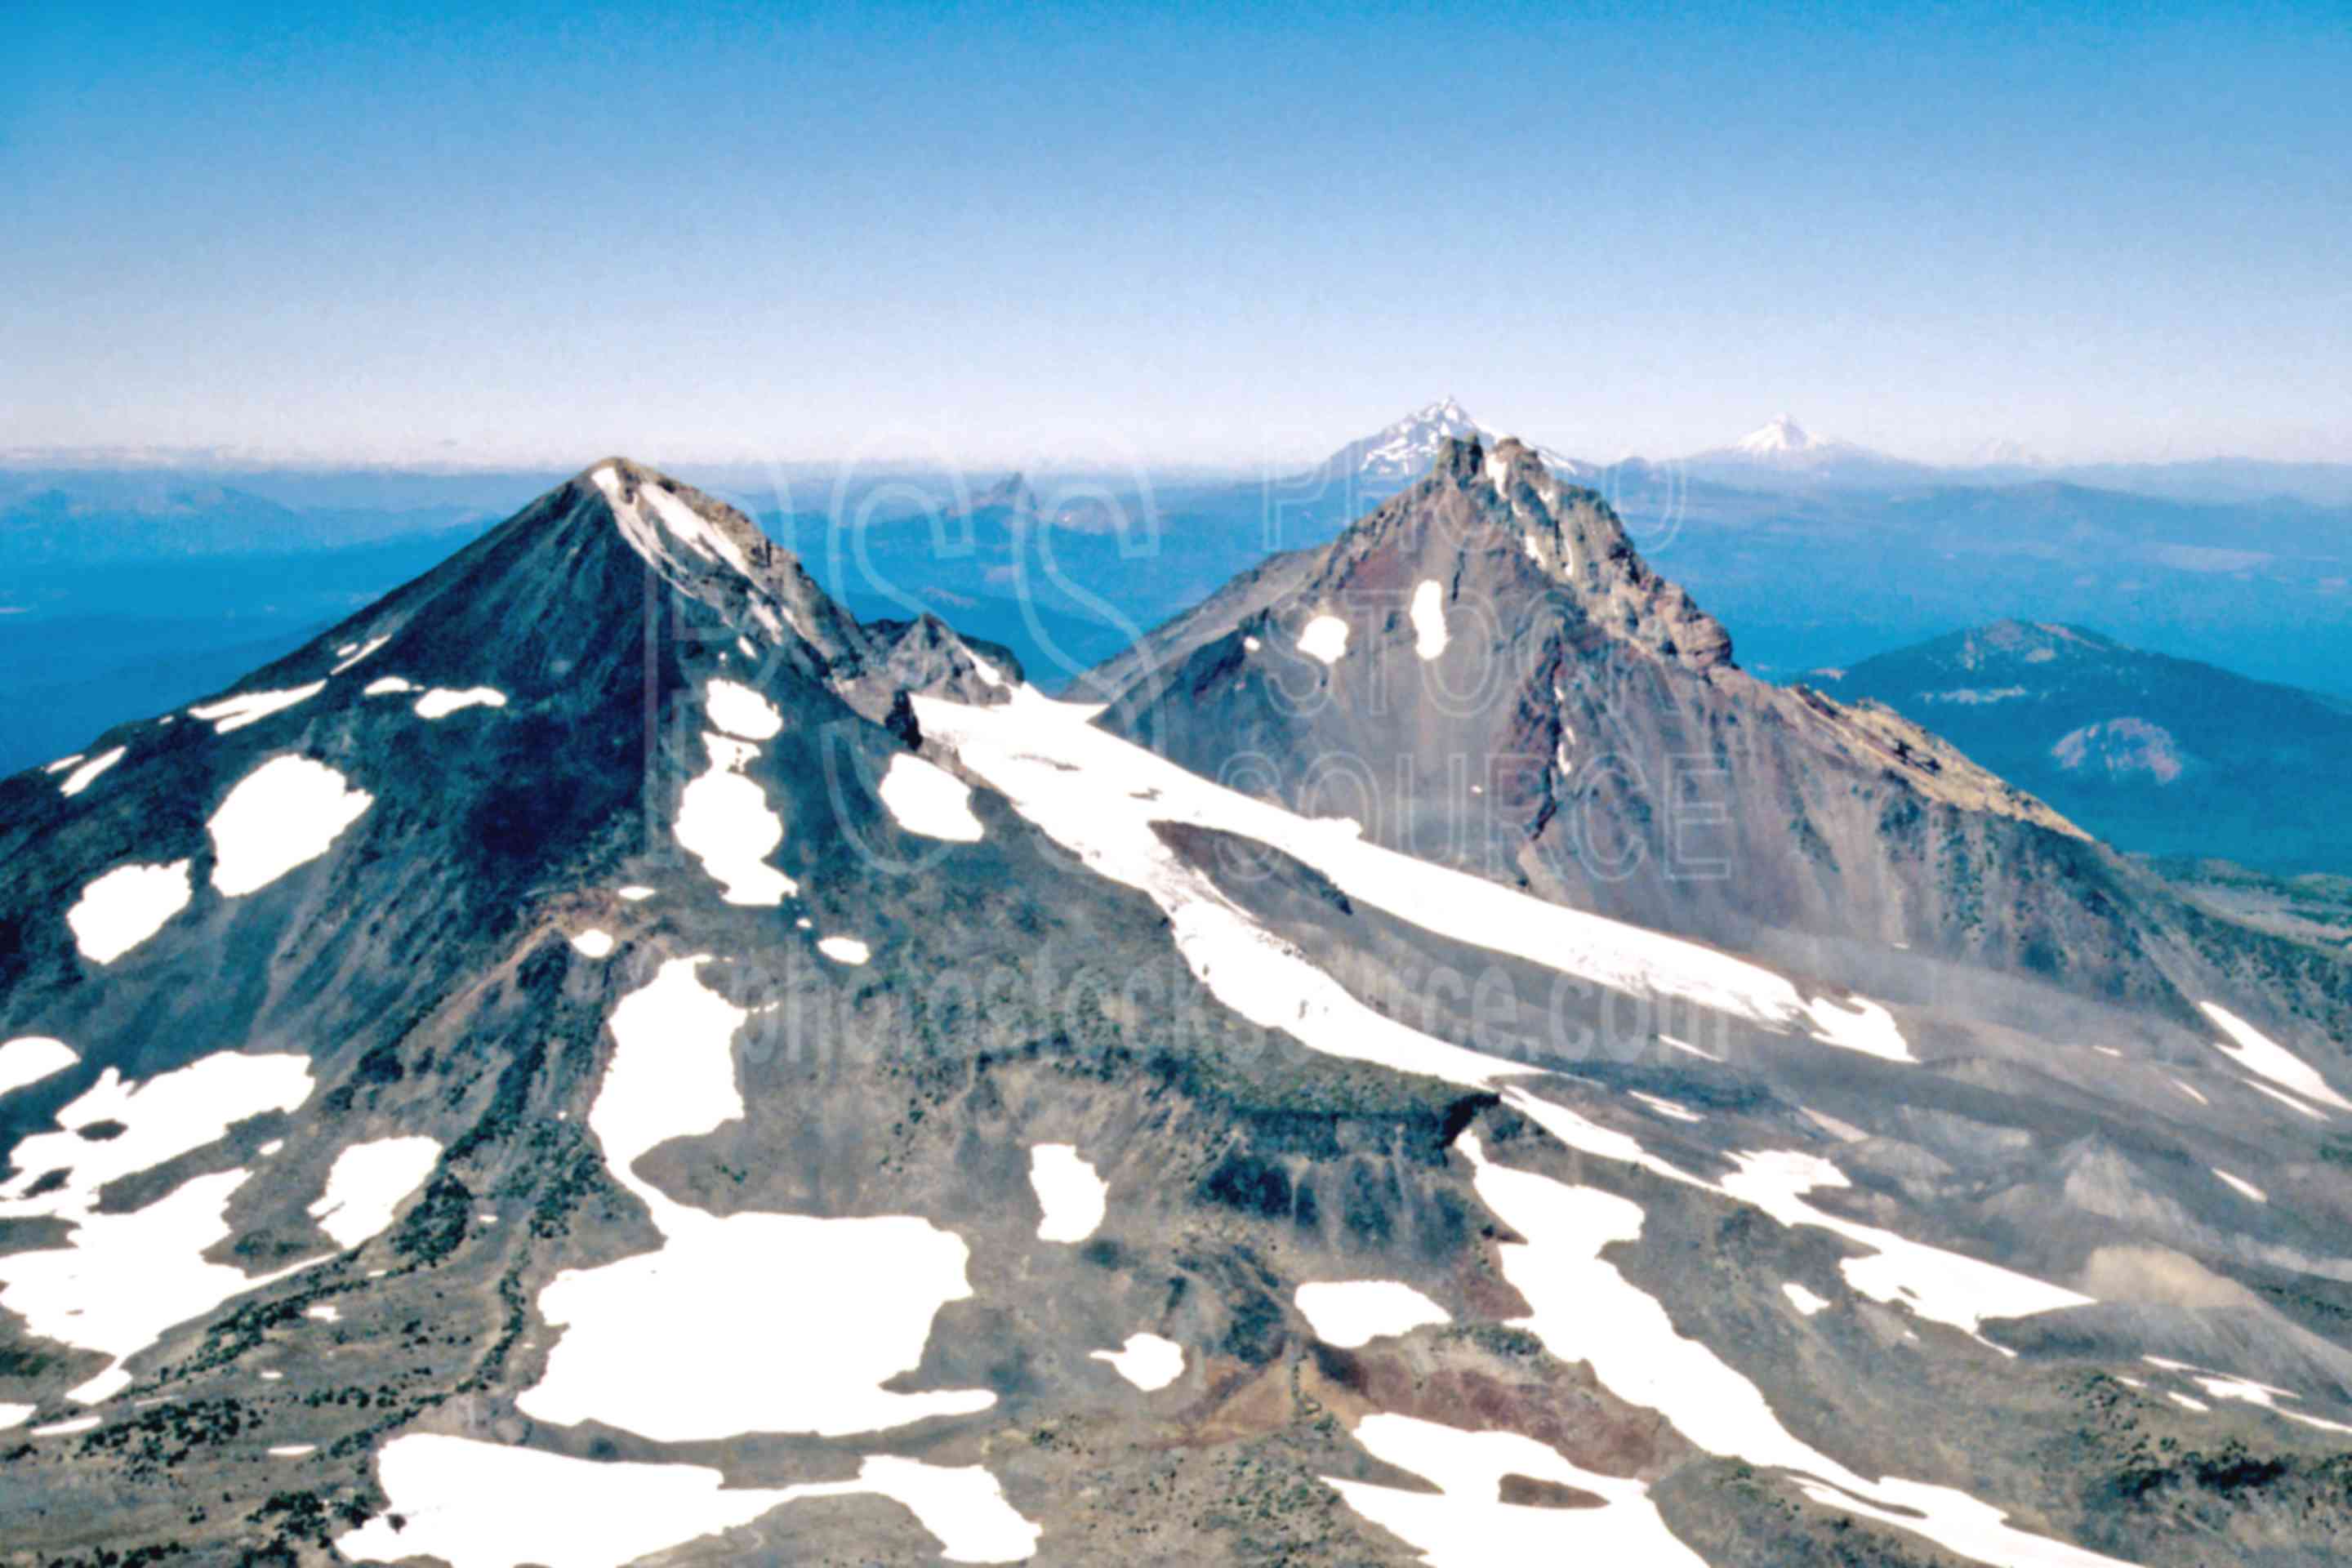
[604, 1057]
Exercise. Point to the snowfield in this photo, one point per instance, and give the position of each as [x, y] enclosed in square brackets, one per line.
[1073, 1198]
[1351, 1313]
[29, 1058]
[724, 821]
[1146, 1361]
[1098, 794]
[82, 777]
[925, 798]
[2257, 1053]
[121, 1279]
[233, 713]
[284, 814]
[441, 702]
[1467, 1525]
[368, 1183]
[123, 908]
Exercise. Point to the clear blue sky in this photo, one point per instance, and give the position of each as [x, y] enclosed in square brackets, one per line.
[999, 232]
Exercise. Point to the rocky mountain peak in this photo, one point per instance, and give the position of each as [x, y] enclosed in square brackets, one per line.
[1515, 532]
[1011, 493]
[1781, 434]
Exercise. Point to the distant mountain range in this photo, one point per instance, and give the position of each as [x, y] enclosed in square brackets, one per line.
[2163, 755]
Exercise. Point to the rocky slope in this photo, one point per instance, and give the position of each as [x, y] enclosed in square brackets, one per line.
[604, 1058]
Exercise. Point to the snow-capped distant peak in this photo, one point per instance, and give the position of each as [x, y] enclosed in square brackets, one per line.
[1781, 437]
[1405, 449]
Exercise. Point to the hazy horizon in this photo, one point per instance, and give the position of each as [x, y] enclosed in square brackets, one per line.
[994, 240]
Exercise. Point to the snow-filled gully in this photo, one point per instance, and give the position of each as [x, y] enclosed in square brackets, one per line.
[1098, 796]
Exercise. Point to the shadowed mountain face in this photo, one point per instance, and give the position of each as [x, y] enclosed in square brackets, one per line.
[2164, 756]
[603, 1058]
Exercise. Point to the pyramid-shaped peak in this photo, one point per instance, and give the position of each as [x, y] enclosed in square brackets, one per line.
[1781, 432]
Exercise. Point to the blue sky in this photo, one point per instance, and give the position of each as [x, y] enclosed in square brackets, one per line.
[1004, 233]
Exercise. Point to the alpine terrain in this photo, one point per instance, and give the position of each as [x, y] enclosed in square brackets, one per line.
[604, 1058]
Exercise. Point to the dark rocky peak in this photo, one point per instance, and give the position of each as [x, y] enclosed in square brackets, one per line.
[1496, 523]
[1011, 493]
[926, 657]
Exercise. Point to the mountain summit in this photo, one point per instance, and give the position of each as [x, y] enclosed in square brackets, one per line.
[1781, 437]
[1401, 451]
[1493, 626]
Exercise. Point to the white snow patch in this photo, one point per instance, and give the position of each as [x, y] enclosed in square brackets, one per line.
[716, 1332]
[2243, 1188]
[2245, 1391]
[926, 798]
[845, 950]
[12, 1415]
[252, 707]
[2186, 1403]
[351, 654]
[1666, 1107]
[723, 821]
[29, 1058]
[1944, 1286]
[325, 1314]
[1252, 644]
[387, 686]
[2257, 1053]
[2187, 1090]
[1804, 1300]
[293, 1450]
[65, 1429]
[368, 1182]
[81, 778]
[1352, 1313]
[484, 1505]
[442, 702]
[593, 942]
[633, 894]
[1584, 1310]
[1467, 1525]
[1429, 637]
[2290, 1102]
[1687, 1049]
[60, 765]
[124, 906]
[120, 1279]
[739, 710]
[285, 812]
[1146, 1361]
[693, 530]
[1073, 1198]
[1326, 637]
